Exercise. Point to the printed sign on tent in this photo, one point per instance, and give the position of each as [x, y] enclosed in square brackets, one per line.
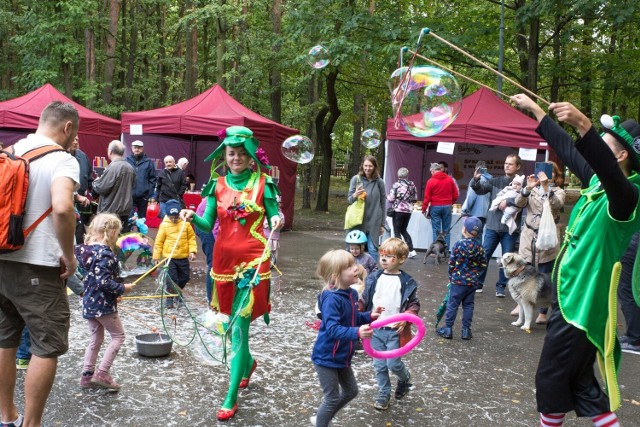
[446, 147]
[135, 129]
[529, 154]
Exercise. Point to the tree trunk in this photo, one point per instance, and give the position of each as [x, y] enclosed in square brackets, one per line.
[275, 78]
[325, 127]
[221, 30]
[534, 54]
[308, 177]
[356, 147]
[110, 51]
[133, 54]
[162, 52]
[191, 59]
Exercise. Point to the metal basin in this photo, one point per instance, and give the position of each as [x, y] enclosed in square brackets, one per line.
[154, 345]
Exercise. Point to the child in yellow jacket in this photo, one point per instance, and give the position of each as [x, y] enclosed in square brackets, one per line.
[185, 249]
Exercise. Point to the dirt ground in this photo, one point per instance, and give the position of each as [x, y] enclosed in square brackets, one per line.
[487, 381]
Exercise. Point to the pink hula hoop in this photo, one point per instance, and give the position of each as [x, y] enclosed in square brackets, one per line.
[398, 352]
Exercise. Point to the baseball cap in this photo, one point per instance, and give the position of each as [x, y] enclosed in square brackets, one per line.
[173, 207]
[137, 143]
[473, 225]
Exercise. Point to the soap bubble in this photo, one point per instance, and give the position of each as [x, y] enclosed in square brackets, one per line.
[370, 138]
[298, 148]
[426, 101]
[318, 57]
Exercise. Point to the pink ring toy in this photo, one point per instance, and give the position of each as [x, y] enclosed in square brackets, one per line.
[398, 352]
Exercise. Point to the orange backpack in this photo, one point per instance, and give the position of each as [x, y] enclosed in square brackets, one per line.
[14, 183]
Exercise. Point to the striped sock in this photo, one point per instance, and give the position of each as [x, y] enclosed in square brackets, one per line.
[551, 420]
[608, 419]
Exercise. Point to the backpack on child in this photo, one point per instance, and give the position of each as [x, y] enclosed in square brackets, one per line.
[14, 184]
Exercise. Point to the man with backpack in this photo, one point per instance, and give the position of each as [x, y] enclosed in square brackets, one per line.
[32, 291]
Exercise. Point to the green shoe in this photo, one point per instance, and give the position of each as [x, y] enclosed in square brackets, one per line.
[22, 364]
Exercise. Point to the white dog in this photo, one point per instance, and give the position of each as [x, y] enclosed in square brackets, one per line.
[527, 287]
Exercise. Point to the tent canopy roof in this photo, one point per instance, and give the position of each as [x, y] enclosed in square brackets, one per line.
[24, 113]
[206, 114]
[483, 119]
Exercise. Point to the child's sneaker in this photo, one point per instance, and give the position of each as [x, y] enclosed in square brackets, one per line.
[22, 364]
[16, 423]
[103, 379]
[85, 380]
[445, 332]
[359, 348]
[403, 388]
[382, 403]
[466, 334]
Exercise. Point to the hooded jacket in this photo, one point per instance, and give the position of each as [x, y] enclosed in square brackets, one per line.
[441, 190]
[166, 239]
[101, 288]
[335, 345]
[408, 287]
[145, 183]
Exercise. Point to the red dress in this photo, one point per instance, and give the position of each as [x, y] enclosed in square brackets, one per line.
[240, 247]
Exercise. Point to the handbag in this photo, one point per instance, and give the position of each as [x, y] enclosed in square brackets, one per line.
[547, 232]
[354, 215]
[391, 212]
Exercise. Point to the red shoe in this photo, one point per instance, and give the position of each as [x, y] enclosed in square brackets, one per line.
[225, 414]
[245, 381]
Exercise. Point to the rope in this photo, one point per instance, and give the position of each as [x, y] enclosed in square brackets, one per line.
[459, 74]
[468, 55]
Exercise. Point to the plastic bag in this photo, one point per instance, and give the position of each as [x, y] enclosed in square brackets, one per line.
[354, 215]
[547, 232]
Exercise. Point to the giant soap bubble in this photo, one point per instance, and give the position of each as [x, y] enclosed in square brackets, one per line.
[370, 138]
[318, 57]
[298, 148]
[426, 101]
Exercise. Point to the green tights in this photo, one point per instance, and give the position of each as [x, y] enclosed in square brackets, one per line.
[241, 361]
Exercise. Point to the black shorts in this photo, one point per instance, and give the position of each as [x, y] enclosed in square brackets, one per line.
[179, 271]
[565, 379]
[36, 296]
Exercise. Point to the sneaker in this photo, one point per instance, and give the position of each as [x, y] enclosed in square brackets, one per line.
[412, 254]
[359, 348]
[500, 294]
[623, 338]
[627, 347]
[479, 291]
[445, 332]
[85, 380]
[312, 418]
[104, 380]
[466, 334]
[169, 303]
[382, 403]
[403, 388]
[16, 423]
[22, 364]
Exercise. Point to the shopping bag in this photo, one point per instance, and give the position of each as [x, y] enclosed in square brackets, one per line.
[547, 232]
[354, 215]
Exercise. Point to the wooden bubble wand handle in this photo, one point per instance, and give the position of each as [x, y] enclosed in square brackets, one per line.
[149, 271]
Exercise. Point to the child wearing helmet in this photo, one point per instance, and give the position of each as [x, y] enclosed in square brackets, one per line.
[357, 240]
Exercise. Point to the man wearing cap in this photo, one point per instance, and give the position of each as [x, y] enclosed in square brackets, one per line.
[582, 325]
[116, 184]
[145, 183]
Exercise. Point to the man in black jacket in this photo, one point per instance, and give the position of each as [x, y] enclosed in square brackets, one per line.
[145, 183]
[171, 184]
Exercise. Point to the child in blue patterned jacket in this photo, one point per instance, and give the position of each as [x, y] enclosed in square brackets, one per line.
[99, 302]
[467, 261]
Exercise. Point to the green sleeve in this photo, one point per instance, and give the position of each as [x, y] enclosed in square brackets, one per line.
[270, 204]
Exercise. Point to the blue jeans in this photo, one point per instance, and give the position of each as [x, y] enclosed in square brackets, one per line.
[460, 294]
[163, 210]
[207, 241]
[491, 240]
[372, 247]
[24, 350]
[441, 221]
[383, 340]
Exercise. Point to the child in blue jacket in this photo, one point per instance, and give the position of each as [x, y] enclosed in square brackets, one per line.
[341, 327]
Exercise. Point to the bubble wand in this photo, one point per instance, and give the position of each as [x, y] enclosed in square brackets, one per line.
[149, 271]
[468, 55]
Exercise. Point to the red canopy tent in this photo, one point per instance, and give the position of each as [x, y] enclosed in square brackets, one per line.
[19, 117]
[483, 119]
[188, 129]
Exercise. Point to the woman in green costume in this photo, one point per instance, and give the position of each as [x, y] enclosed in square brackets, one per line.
[240, 200]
